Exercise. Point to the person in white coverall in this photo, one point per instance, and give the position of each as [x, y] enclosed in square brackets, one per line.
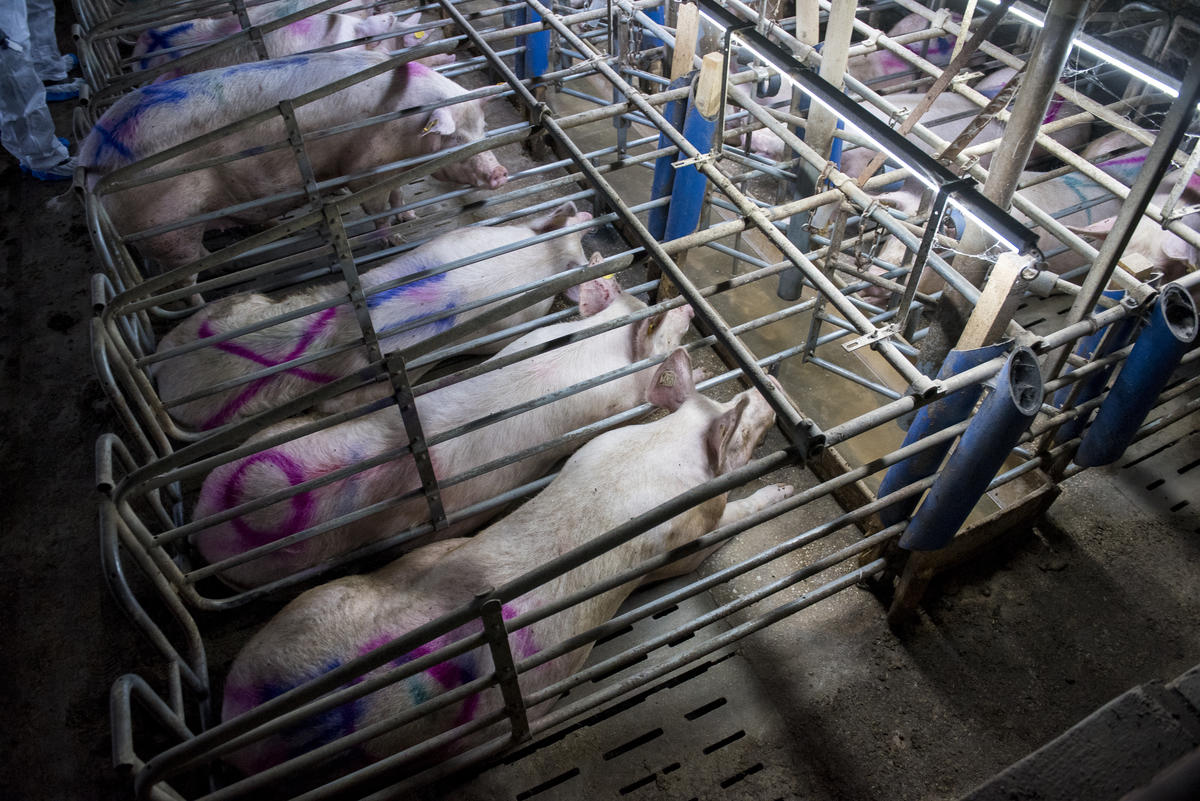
[33, 71]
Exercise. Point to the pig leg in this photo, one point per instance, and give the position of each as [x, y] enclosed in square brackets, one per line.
[734, 511]
[761, 499]
[177, 249]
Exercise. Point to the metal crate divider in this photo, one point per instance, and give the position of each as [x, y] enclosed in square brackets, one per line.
[144, 514]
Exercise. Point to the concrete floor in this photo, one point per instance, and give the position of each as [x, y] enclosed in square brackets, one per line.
[1101, 595]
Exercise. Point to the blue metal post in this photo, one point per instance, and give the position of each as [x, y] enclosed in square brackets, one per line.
[687, 194]
[514, 17]
[942, 413]
[1096, 346]
[664, 173]
[659, 15]
[1169, 333]
[984, 446]
[537, 49]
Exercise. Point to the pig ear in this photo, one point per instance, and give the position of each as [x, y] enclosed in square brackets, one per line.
[409, 39]
[721, 440]
[555, 219]
[572, 293]
[441, 121]
[373, 26]
[1097, 230]
[597, 295]
[672, 383]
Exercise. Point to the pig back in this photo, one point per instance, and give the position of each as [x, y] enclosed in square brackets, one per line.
[166, 114]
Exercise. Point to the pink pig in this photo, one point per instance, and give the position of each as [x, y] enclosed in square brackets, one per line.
[617, 476]
[390, 308]
[157, 46]
[162, 115]
[282, 467]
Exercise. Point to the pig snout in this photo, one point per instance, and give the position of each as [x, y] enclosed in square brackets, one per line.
[482, 170]
[498, 177]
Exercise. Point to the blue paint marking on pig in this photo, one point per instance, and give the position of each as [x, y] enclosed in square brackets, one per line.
[434, 326]
[110, 132]
[327, 726]
[1078, 184]
[421, 288]
[161, 40]
[266, 66]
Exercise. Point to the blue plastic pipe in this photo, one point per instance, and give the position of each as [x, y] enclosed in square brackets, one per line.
[1169, 333]
[942, 413]
[658, 15]
[1094, 347]
[537, 49]
[664, 173]
[981, 451]
[514, 17]
[687, 195]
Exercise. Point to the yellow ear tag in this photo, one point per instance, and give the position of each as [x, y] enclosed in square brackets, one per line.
[428, 127]
[652, 326]
[611, 275]
[419, 35]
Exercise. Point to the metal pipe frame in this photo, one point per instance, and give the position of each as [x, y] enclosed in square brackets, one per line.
[160, 474]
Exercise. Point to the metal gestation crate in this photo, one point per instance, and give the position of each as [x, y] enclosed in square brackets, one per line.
[780, 262]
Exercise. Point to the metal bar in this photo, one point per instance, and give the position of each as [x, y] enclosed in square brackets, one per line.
[496, 634]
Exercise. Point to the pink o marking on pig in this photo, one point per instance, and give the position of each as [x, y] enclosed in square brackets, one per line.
[301, 511]
[226, 412]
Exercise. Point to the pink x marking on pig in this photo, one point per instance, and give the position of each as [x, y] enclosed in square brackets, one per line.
[226, 412]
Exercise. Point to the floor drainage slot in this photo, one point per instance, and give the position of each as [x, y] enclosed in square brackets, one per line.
[634, 743]
[547, 785]
[719, 744]
[704, 710]
[737, 777]
[642, 782]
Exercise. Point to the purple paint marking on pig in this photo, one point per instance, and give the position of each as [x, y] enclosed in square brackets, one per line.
[416, 68]
[1052, 112]
[231, 408]
[1126, 160]
[302, 503]
[239, 698]
[526, 647]
[893, 63]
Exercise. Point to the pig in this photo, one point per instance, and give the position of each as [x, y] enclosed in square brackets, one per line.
[159, 116]
[615, 477]
[1164, 250]
[192, 372]
[949, 115]
[883, 68]
[157, 46]
[348, 443]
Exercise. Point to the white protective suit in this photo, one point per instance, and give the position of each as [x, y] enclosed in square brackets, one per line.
[26, 127]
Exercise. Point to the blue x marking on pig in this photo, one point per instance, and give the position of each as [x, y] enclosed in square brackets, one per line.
[161, 40]
[148, 97]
